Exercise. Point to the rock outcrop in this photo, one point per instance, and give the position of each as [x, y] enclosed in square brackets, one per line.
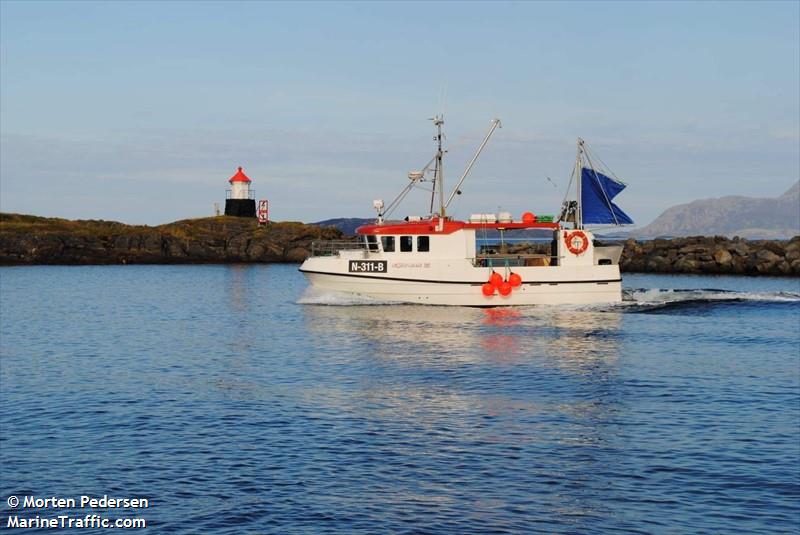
[718, 255]
[38, 240]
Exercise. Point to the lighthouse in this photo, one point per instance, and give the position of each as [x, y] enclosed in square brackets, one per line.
[240, 201]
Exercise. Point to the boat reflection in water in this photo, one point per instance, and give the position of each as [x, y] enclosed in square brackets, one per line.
[486, 388]
[566, 339]
[238, 285]
[415, 355]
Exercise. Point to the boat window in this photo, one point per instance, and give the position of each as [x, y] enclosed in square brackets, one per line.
[372, 243]
[388, 244]
[423, 244]
[406, 243]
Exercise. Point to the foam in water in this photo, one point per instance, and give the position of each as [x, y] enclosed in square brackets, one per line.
[636, 298]
[315, 296]
[655, 299]
[660, 295]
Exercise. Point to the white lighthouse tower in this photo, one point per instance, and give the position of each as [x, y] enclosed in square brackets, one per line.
[240, 185]
[241, 199]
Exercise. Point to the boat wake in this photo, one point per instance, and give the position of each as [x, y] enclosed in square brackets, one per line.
[658, 300]
[315, 296]
[652, 300]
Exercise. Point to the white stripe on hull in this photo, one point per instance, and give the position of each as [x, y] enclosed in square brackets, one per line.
[465, 294]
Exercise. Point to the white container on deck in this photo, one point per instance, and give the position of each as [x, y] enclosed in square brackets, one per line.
[483, 218]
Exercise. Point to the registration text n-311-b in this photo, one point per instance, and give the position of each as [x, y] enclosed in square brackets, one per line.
[367, 266]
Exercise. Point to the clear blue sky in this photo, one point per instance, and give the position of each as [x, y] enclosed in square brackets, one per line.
[140, 111]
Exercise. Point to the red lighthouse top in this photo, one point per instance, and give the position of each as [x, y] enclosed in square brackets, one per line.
[239, 177]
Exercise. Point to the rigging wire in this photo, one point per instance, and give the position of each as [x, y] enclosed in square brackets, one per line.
[435, 179]
[605, 166]
[457, 206]
[402, 195]
[605, 195]
[569, 187]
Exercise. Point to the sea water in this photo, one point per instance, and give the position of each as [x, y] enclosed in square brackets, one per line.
[236, 400]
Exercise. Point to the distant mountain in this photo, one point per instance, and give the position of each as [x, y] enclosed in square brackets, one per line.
[347, 225]
[747, 217]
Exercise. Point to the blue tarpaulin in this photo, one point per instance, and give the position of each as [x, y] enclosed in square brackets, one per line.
[597, 191]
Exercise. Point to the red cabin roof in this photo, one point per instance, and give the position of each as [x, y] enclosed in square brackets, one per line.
[239, 177]
[428, 226]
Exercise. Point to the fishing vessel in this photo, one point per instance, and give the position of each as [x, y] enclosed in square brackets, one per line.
[439, 260]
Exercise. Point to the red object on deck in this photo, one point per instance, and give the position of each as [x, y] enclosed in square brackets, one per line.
[529, 217]
[239, 177]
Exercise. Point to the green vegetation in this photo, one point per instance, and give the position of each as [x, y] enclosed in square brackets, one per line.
[26, 239]
[10, 223]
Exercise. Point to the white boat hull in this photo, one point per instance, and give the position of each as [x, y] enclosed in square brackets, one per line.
[540, 286]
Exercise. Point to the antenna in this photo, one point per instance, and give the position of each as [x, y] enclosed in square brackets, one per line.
[443, 98]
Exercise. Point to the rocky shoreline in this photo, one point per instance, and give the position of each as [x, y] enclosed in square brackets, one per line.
[712, 255]
[31, 240]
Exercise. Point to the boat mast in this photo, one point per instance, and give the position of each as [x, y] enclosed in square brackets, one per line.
[579, 177]
[438, 170]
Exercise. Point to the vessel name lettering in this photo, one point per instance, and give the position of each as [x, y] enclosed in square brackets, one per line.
[411, 265]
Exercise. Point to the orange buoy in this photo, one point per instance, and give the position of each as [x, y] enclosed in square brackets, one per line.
[514, 280]
[528, 217]
[504, 288]
[495, 279]
[488, 289]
